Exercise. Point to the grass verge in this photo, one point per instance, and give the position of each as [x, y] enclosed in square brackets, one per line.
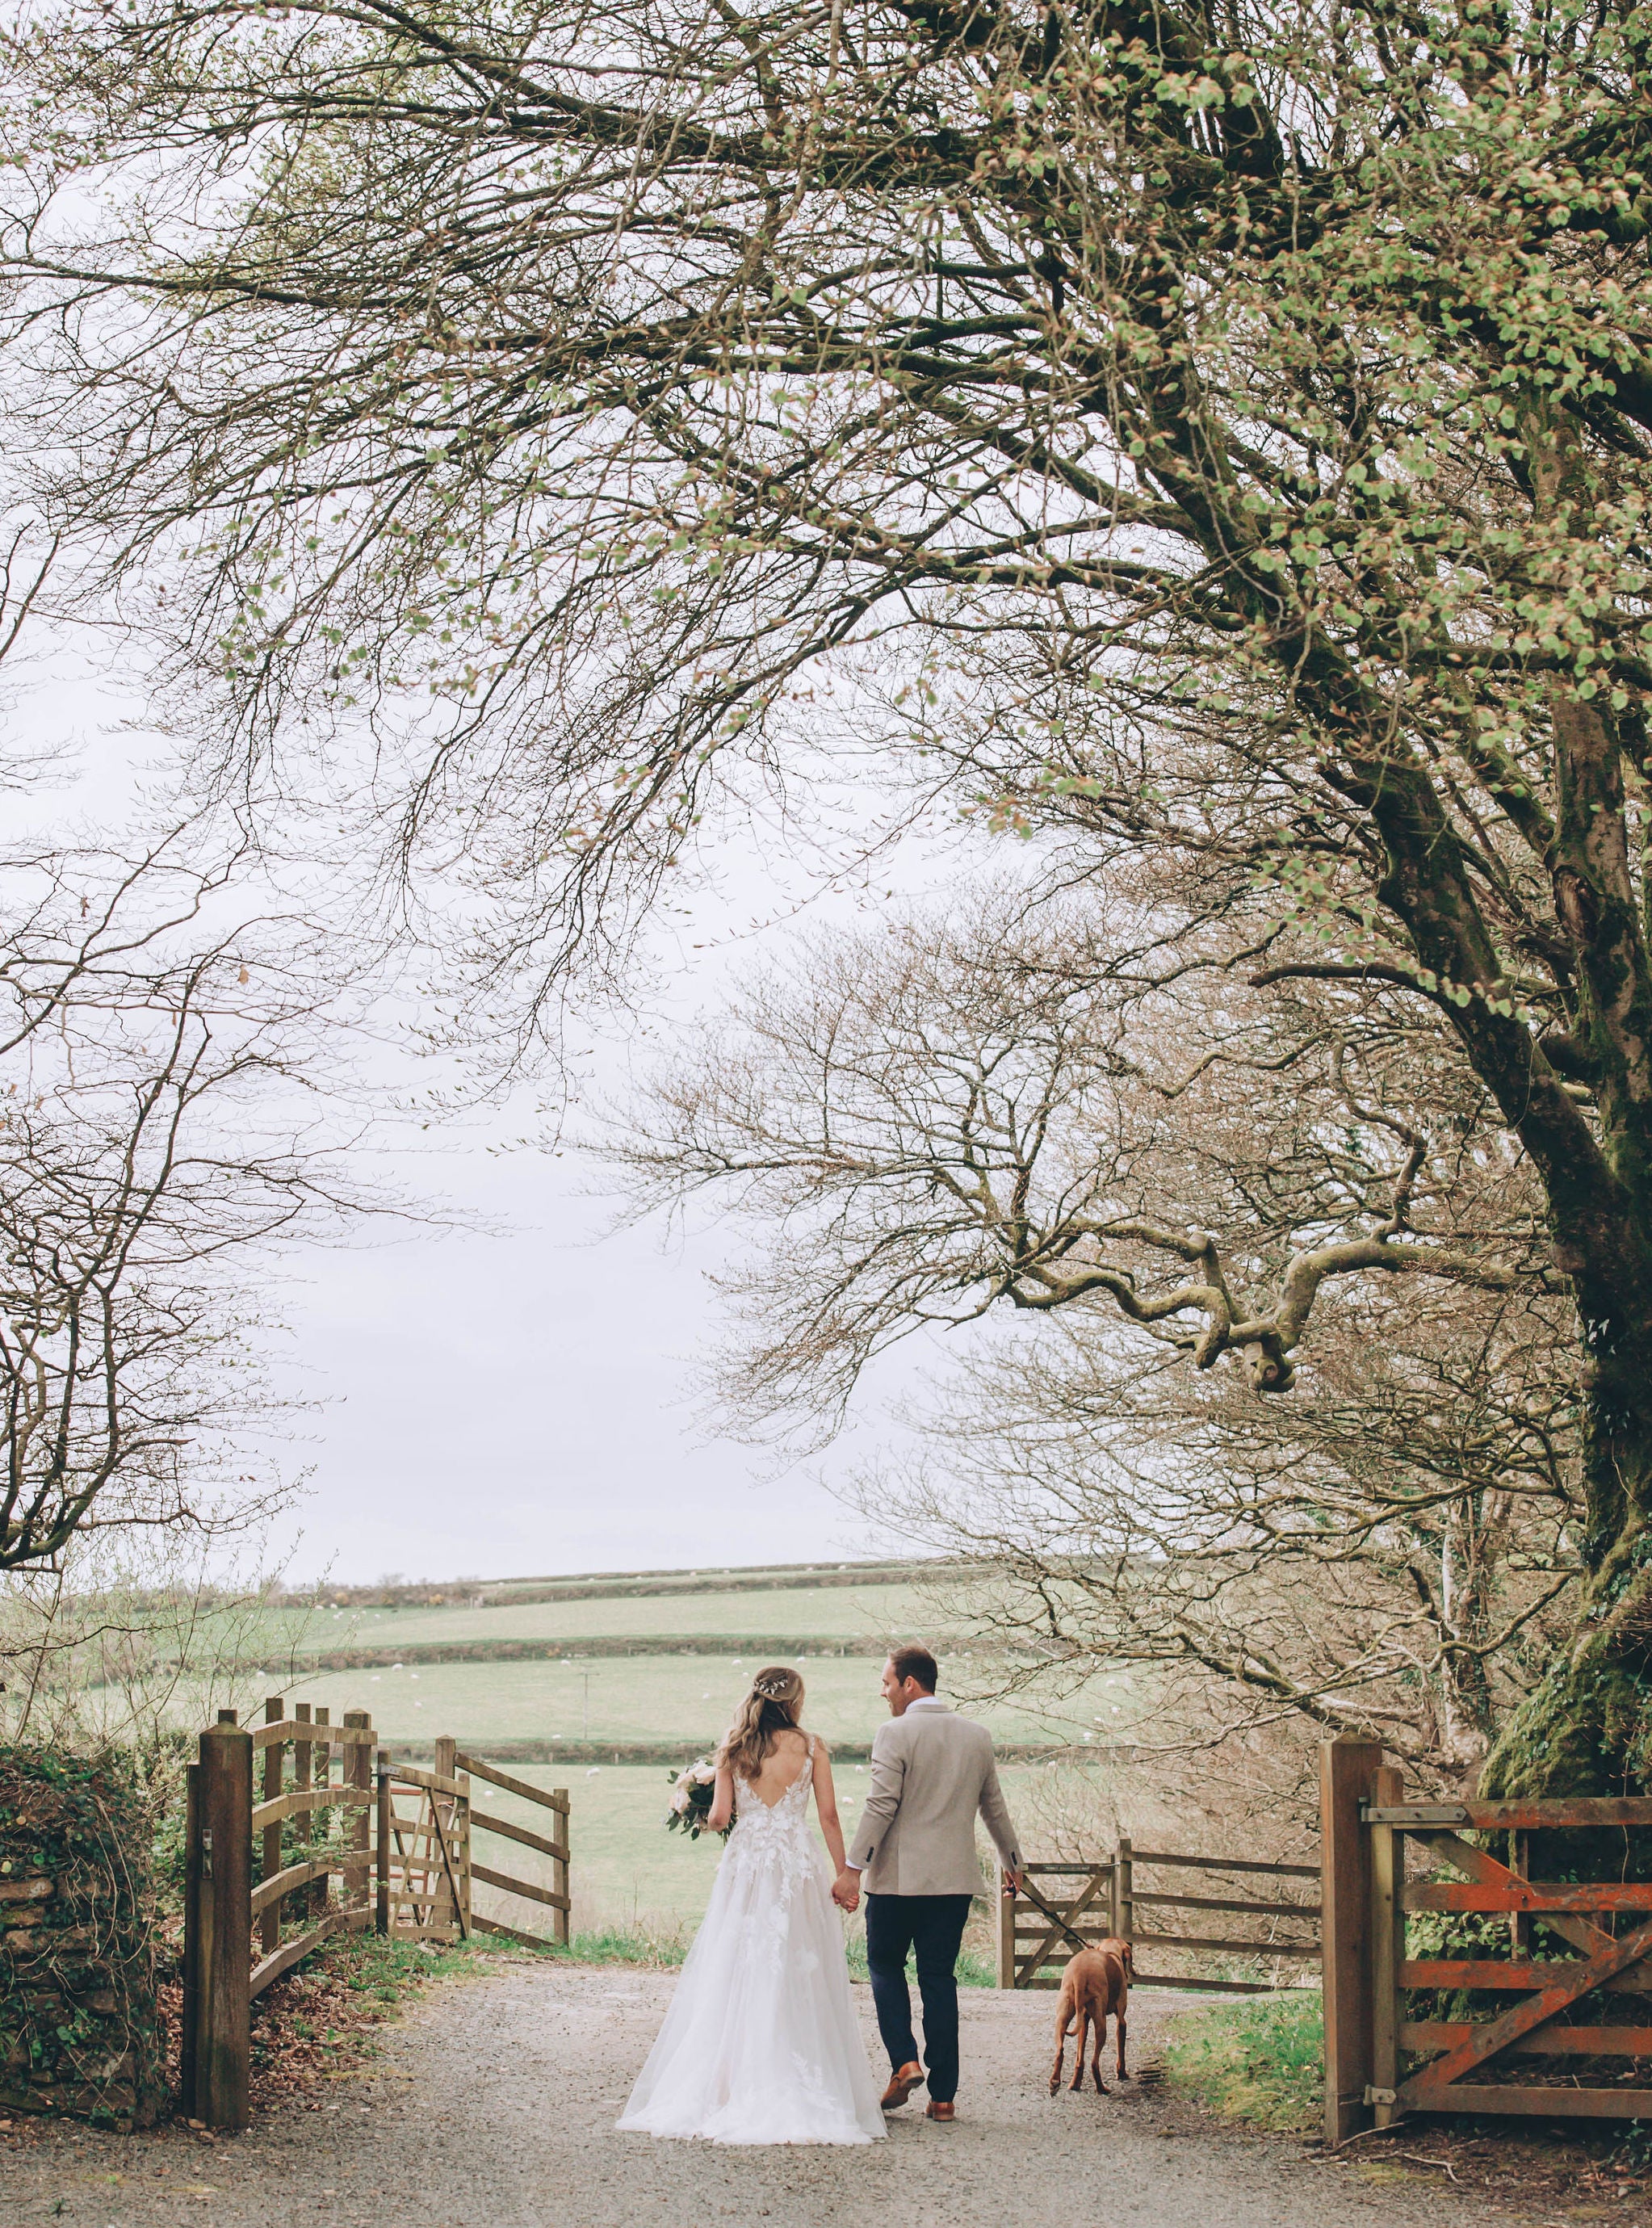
[663, 1946]
[1261, 2061]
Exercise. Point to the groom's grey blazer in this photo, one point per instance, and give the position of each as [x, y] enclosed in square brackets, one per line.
[932, 1771]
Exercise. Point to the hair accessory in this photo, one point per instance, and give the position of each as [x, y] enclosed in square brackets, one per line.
[771, 1689]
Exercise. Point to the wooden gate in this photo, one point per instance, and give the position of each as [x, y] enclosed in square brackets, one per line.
[1608, 1921]
[553, 1845]
[1071, 1905]
[424, 1850]
[1477, 2062]
[1037, 1933]
[239, 1934]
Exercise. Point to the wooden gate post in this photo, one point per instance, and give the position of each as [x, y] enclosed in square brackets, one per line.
[382, 1831]
[562, 1927]
[358, 1772]
[320, 1826]
[444, 1755]
[1124, 1889]
[270, 1862]
[304, 1826]
[1006, 1932]
[1388, 1943]
[462, 1845]
[222, 2051]
[190, 2016]
[1349, 1767]
[452, 1812]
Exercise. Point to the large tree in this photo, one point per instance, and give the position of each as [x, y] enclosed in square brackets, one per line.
[1221, 434]
[910, 1126]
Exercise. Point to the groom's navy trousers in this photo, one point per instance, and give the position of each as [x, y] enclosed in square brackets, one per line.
[932, 1925]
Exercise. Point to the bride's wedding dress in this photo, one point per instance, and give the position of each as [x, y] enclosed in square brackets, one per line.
[761, 2044]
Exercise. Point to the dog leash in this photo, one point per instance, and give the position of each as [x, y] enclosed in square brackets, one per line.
[1059, 1923]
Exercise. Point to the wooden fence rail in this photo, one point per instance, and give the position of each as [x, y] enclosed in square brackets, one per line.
[555, 1845]
[1039, 1930]
[278, 1812]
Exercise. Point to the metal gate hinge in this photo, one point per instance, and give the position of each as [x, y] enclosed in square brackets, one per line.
[1381, 2095]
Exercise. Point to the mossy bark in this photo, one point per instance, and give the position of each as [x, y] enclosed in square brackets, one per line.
[1586, 1727]
[1580, 1731]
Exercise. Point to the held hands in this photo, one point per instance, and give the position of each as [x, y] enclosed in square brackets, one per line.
[846, 1890]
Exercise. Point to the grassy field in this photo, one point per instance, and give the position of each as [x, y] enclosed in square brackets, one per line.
[667, 1698]
[628, 1871]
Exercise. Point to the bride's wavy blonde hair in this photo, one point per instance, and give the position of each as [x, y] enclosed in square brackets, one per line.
[774, 1705]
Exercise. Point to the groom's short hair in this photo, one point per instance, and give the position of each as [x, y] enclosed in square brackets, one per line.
[911, 1662]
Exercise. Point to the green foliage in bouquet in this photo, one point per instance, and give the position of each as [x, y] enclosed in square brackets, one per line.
[692, 1791]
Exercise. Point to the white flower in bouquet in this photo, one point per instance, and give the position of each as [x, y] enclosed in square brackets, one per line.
[691, 1797]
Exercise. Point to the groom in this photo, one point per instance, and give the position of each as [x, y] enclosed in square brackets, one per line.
[932, 1770]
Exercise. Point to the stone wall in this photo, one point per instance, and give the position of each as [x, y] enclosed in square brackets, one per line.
[79, 2029]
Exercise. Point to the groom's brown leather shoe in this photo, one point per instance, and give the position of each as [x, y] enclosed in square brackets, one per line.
[902, 2082]
[935, 2110]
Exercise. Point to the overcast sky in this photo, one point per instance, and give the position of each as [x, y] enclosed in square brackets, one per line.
[522, 1399]
[521, 1403]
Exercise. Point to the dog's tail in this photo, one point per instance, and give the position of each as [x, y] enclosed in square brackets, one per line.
[1129, 1955]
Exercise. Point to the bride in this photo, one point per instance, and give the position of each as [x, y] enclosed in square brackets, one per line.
[761, 2044]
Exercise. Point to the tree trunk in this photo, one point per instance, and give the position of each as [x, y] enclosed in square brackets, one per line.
[1470, 1570]
[1586, 1729]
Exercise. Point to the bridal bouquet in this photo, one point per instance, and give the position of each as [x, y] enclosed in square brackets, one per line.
[691, 1797]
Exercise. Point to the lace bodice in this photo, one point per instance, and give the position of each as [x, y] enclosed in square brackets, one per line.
[776, 1835]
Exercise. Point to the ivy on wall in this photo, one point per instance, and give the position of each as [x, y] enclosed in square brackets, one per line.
[79, 2029]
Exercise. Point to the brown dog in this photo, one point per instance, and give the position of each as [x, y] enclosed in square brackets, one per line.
[1096, 1982]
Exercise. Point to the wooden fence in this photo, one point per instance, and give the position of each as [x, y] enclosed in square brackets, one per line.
[1383, 2062]
[260, 1862]
[226, 1965]
[1071, 1905]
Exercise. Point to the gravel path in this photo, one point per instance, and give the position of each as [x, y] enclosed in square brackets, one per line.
[493, 2107]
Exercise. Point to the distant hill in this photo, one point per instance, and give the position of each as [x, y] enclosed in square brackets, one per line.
[617, 1586]
[321, 1657]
